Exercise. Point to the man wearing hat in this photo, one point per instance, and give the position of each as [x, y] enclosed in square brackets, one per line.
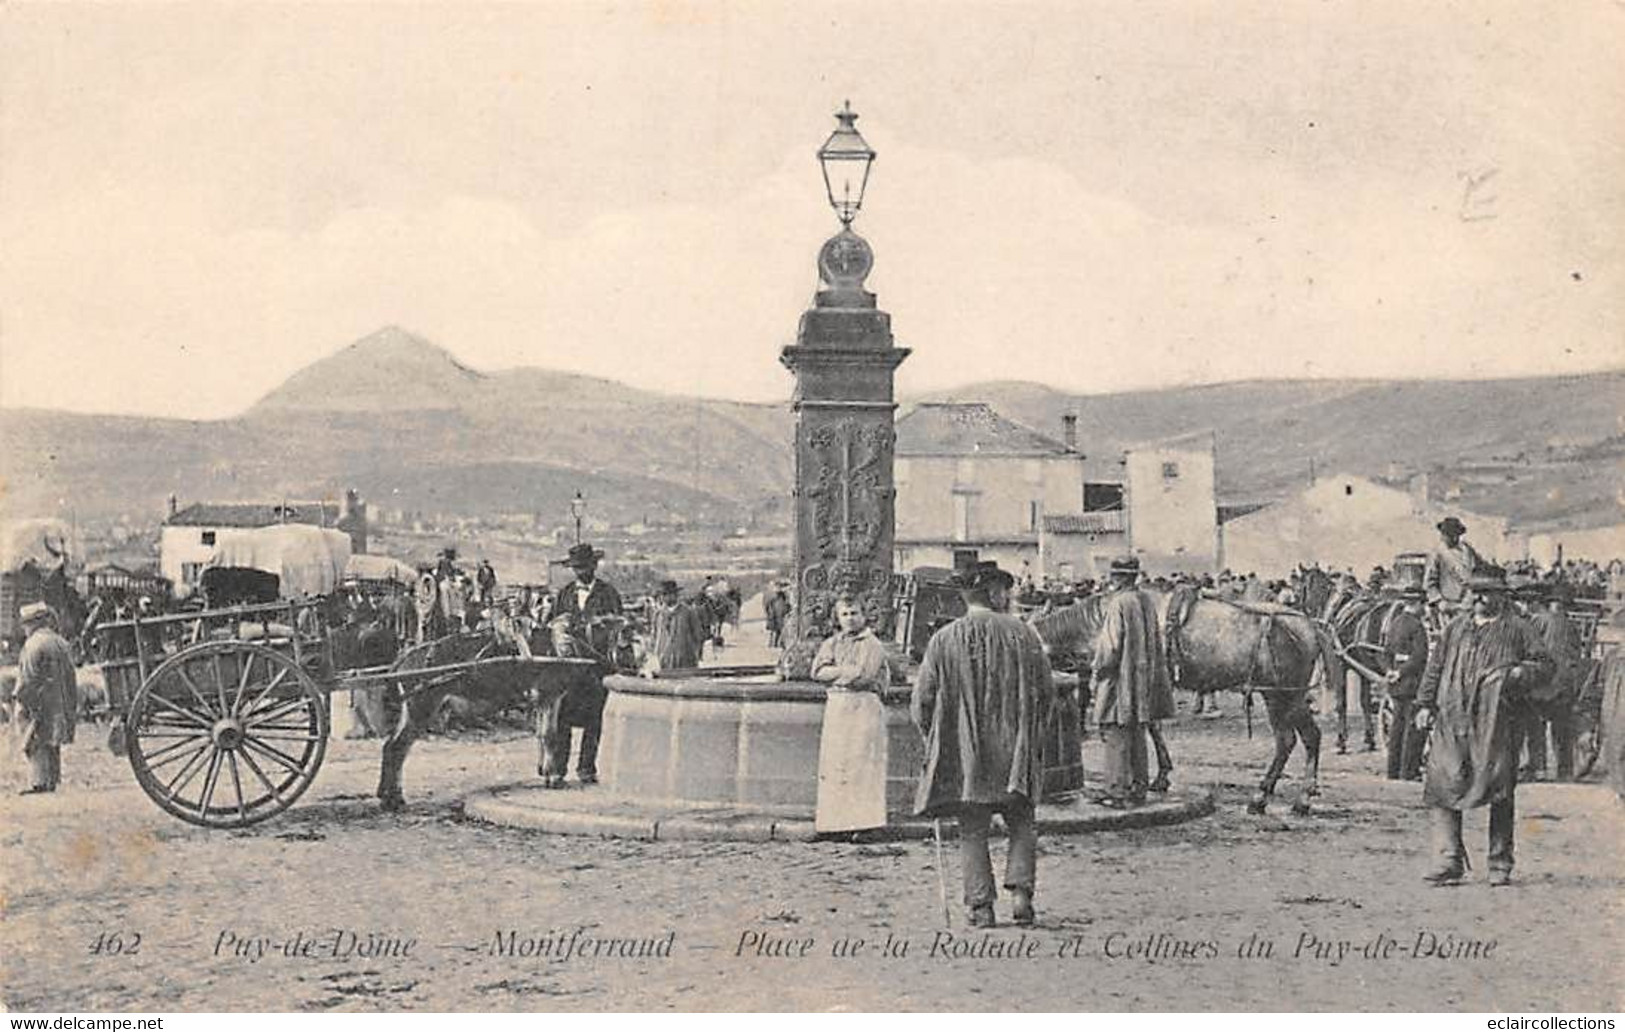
[590, 608]
[47, 695]
[1131, 683]
[1406, 641]
[1552, 704]
[982, 700]
[1473, 698]
[677, 631]
[1450, 567]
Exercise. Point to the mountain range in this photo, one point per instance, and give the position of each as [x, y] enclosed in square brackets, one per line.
[401, 420]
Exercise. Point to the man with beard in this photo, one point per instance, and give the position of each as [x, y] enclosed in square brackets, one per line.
[590, 609]
[1131, 683]
[1473, 698]
[981, 701]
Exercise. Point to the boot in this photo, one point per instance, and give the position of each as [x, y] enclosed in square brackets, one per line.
[981, 916]
[1022, 914]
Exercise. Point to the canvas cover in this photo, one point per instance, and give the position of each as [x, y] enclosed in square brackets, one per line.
[308, 560]
[380, 568]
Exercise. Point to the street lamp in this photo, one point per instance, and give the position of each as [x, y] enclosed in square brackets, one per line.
[845, 159]
[578, 509]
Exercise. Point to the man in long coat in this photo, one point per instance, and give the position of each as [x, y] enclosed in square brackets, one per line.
[1131, 683]
[590, 608]
[47, 697]
[1472, 697]
[676, 629]
[981, 701]
[1405, 641]
[1553, 703]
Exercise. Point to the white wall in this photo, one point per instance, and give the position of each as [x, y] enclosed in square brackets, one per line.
[1001, 489]
[1173, 519]
[1348, 522]
[1599, 544]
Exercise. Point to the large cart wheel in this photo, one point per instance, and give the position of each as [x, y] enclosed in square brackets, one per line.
[227, 733]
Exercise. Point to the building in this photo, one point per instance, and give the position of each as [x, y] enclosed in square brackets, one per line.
[189, 536]
[974, 485]
[1170, 493]
[1350, 522]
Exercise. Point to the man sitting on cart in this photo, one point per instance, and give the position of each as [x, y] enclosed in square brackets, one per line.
[590, 610]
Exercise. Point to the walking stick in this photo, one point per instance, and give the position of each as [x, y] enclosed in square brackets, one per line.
[942, 877]
[1247, 704]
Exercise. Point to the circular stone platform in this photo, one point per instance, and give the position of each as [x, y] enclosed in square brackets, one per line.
[594, 811]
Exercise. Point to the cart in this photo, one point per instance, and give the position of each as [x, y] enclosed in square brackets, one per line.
[224, 711]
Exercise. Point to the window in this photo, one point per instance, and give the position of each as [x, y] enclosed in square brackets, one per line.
[962, 517]
[1348, 489]
[189, 572]
[207, 537]
[1170, 471]
[964, 558]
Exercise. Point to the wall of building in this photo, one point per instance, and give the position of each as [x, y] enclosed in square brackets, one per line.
[182, 552]
[1018, 558]
[1173, 512]
[1598, 544]
[1075, 557]
[1348, 522]
[971, 498]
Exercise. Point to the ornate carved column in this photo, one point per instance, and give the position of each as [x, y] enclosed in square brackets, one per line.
[844, 363]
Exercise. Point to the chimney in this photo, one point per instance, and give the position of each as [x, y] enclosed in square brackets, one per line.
[1419, 494]
[1069, 431]
[174, 506]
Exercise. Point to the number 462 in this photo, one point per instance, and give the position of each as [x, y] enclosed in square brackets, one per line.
[113, 944]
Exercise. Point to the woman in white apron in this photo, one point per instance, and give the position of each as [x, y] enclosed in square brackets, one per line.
[852, 748]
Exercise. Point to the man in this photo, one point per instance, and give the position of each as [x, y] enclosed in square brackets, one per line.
[1552, 704]
[591, 611]
[1472, 697]
[676, 629]
[777, 610]
[1406, 642]
[486, 578]
[1131, 683]
[981, 700]
[1450, 568]
[47, 697]
[852, 745]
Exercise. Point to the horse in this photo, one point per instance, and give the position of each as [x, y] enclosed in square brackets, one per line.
[411, 712]
[1217, 645]
[1359, 622]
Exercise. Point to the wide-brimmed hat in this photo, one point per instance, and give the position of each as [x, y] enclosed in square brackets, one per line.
[1125, 565]
[1413, 593]
[984, 574]
[667, 587]
[1488, 580]
[1451, 525]
[581, 555]
[34, 612]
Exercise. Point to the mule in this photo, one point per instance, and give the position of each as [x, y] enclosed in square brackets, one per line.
[410, 713]
[1219, 645]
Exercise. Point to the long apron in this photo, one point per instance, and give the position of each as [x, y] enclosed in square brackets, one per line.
[851, 763]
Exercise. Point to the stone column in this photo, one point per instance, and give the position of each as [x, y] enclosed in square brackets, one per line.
[844, 363]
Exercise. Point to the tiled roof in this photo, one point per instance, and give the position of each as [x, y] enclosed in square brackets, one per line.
[958, 428]
[205, 514]
[1109, 522]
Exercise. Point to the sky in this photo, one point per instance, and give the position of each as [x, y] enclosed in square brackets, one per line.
[197, 201]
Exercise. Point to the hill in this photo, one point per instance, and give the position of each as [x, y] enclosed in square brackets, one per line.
[402, 420]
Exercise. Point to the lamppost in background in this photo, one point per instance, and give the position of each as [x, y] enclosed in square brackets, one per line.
[578, 509]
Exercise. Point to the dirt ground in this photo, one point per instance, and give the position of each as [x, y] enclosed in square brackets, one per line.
[335, 905]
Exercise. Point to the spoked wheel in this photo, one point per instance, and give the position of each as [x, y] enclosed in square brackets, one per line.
[227, 733]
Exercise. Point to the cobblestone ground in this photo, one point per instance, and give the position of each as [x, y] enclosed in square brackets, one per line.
[1137, 920]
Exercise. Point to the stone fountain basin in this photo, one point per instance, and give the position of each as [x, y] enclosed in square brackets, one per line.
[748, 739]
